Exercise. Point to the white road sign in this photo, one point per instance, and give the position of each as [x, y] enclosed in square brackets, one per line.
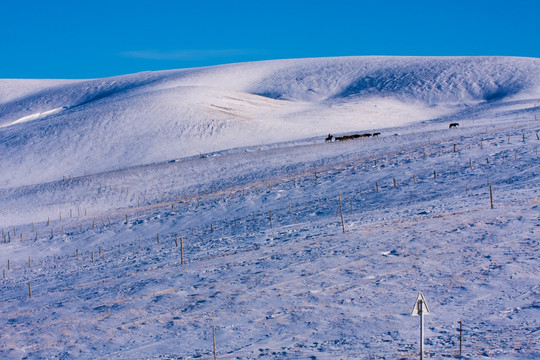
[420, 306]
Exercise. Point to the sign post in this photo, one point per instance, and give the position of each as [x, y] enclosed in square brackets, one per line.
[421, 309]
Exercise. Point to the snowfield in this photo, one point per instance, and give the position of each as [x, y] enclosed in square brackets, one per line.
[139, 212]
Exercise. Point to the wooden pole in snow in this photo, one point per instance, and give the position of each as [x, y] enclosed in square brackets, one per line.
[460, 338]
[214, 341]
[181, 250]
[490, 196]
[341, 212]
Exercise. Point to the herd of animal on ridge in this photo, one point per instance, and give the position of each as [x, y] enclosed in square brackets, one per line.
[366, 135]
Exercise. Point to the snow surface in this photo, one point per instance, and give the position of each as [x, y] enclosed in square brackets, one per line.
[231, 162]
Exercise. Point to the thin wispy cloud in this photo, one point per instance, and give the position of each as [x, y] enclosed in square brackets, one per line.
[186, 55]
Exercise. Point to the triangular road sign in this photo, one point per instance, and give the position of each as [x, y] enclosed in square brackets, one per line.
[420, 306]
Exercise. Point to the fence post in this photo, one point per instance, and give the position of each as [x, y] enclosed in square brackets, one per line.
[214, 341]
[459, 338]
[490, 196]
[341, 212]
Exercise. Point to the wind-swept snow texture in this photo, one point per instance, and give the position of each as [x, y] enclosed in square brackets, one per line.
[145, 209]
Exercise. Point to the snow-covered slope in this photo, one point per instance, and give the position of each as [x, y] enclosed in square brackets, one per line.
[55, 129]
[142, 261]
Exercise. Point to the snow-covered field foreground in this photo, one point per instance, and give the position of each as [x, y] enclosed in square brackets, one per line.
[144, 260]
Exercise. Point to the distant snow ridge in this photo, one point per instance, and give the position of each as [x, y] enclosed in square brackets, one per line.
[55, 128]
[429, 80]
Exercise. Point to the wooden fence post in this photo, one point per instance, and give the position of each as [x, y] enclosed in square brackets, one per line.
[459, 338]
[181, 250]
[341, 212]
[490, 196]
[214, 341]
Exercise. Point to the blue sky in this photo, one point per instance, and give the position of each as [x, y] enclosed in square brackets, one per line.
[84, 39]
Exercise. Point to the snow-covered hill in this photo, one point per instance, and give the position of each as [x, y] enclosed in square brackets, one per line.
[55, 129]
[246, 236]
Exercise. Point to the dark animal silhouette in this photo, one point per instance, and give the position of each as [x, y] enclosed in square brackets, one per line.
[453, 125]
[343, 138]
[329, 138]
[350, 137]
[376, 134]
